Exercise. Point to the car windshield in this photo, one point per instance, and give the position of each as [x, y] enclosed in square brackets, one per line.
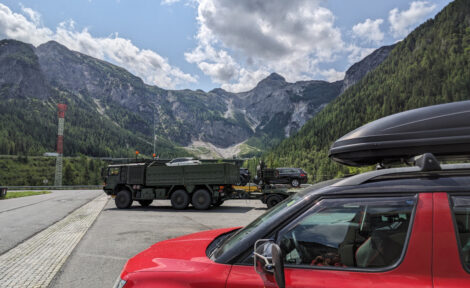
[269, 218]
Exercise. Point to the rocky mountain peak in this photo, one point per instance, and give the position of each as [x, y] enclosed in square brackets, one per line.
[52, 45]
[275, 77]
[357, 71]
[218, 91]
[272, 82]
[20, 73]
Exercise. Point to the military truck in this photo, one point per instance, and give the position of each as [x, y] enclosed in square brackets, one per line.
[202, 185]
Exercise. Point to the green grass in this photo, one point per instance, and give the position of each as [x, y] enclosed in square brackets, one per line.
[25, 194]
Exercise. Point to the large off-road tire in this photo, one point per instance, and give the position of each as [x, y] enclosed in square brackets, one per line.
[273, 200]
[201, 199]
[180, 199]
[123, 199]
[145, 203]
[294, 182]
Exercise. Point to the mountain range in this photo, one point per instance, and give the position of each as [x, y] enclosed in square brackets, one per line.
[112, 112]
[430, 66]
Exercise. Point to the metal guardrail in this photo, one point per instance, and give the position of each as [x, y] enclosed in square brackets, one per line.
[75, 187]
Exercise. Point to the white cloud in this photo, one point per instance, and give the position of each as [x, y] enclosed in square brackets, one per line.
[332, 75]
[288, 37]
[147, 64]
[401, 22]
[247, 79]
[33, 15]
[369, 30]
[16, 26]
[357, 53]
[169, 2]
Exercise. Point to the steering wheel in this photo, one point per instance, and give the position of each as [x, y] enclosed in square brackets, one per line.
[299, 248]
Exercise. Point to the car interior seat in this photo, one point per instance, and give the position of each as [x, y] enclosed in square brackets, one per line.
[351, 242]
[384, 246]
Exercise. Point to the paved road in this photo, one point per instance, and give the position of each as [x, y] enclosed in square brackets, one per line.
[36, 261]
[118, 235]
[21, 218]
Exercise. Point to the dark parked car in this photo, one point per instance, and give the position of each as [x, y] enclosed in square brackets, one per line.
[292, 176]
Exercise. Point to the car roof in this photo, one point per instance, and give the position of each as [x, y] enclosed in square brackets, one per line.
[451, 178]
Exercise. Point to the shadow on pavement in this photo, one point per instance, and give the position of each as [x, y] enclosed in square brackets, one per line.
[169, 209]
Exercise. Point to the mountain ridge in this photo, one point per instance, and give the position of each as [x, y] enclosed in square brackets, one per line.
[243, 123]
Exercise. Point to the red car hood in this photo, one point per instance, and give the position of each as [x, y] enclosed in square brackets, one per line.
[182, 254]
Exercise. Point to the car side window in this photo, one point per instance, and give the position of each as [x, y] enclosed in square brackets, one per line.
[349, 233]
[461, 210]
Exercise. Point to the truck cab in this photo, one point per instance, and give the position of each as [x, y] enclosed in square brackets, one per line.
[121, 175]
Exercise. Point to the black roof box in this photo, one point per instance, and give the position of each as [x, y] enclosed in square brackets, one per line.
[443, 130]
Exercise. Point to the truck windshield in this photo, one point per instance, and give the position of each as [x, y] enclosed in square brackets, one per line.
[269, 218]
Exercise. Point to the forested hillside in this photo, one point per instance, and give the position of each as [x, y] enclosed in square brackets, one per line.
[40, 171]
[430, 66]
[28, 114]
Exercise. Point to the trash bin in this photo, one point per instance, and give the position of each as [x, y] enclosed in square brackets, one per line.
[3, 192]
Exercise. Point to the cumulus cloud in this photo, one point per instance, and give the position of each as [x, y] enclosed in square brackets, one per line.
[357, 53]
[169, 2]
[332, 75]
[33, 15]
[288, 37]
[147, 64]
[369, 30]
[401, 22]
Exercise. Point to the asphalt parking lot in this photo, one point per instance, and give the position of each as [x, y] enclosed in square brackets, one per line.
[116, 235]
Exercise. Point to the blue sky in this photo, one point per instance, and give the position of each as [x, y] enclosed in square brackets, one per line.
[204, 44]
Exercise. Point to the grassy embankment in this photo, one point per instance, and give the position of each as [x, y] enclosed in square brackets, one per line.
[11, 195]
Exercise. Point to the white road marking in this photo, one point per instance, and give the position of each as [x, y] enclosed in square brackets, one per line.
[102, 256]
[34, 262]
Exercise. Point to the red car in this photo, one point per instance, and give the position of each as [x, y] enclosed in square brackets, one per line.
[367, 232]
[398, 227]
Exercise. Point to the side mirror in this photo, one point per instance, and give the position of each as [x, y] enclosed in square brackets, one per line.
[269, 263]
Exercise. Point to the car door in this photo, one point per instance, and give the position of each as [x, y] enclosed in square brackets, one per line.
[451, 262]
[332, 245]
[279, 176]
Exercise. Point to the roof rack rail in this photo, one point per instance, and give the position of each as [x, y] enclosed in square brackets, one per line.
[445, 169]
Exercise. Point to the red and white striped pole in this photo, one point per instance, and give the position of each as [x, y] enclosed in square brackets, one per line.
[60, 145]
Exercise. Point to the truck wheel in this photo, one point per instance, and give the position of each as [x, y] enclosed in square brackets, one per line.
[180, 199]
[123, 199]
[145, 203]
[273, 200]
[201, 199]
[295, 182]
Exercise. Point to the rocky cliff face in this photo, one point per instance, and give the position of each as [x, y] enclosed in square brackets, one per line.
[357, 71]
[218, 119]
[20, 71]
[278, 108]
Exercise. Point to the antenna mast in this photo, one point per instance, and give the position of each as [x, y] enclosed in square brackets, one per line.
[60, 145]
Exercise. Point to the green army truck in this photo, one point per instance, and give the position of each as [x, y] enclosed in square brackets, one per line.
[202, 185]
